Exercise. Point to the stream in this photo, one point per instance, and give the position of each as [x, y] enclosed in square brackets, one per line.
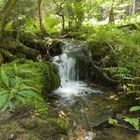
[87, 106]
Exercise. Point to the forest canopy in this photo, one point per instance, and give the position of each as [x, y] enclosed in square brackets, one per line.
[53, 16]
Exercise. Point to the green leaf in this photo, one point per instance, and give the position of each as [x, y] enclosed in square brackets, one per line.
[11, 106]
[133, 121]
[131, 92]
[25, 71]
[134, 108]
[112, 121]
[3, 100]
[25, 87]
[29, 94]
[3, 92]
[15, 68]
[138, 98]
[4, 78]
[20, 98]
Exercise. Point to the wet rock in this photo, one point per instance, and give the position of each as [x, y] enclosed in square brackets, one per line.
[55, 48]
[83, 63]
[100, 119]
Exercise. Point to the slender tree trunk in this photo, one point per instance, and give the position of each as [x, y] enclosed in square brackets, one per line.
[41, 16]
[70, 23]
[5, 14]
[111, 15]
[133, 7]
[63, 22]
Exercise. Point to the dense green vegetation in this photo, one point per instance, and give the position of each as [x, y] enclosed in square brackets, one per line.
[30, 33]
[25, 81]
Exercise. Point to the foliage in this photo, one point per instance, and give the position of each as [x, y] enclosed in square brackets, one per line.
[134, 108]
[15, 90]
[118, 72]
[134, 90]
[30, 26]
[133, 121]
[112, 121]
[115, 44]
[24, 83]
[51, 24]
[40, 108]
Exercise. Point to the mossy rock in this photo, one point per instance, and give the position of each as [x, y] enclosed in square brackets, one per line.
[51, 80]
[98, 50]
[52, 128]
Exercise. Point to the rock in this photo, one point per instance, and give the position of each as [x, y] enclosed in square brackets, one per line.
[83, 63]
[28, 123]
[55, 48]
[100, 119]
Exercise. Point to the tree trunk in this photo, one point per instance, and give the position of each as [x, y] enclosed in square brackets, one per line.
[41, 16]
[5, 14]
[133, 7]
[63, 23]
[111, 15]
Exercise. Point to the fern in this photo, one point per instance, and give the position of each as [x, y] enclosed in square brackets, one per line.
[4, 78]
[15, 89]
[117, 72]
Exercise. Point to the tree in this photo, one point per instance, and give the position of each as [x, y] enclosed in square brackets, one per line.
[111, 15]
[5, 14]
[133, 7]
[41, 15]
[60, 12]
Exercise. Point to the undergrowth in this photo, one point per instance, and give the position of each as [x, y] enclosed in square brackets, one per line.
[116, 51]
[25, 82]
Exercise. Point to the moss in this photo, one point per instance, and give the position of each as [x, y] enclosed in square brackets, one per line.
[51, 80]
[52, 128]
[13, 130]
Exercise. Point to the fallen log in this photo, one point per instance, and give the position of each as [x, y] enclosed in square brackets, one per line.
[104, 78]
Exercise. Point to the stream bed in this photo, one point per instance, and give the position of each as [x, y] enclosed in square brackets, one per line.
[88, 113]
[86, 106]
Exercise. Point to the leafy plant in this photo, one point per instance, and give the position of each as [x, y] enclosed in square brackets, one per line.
[134, 108]
[112, 121]
[117, 72]
[133, 121]
[15, 90]
[30, 26]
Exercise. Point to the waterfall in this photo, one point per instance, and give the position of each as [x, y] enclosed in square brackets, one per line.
[68, 71]
[66, 67]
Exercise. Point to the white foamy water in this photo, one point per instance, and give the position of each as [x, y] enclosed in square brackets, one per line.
[73, 88]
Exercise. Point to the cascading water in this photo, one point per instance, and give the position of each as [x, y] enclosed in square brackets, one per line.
[66, 68]
[68, 71]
